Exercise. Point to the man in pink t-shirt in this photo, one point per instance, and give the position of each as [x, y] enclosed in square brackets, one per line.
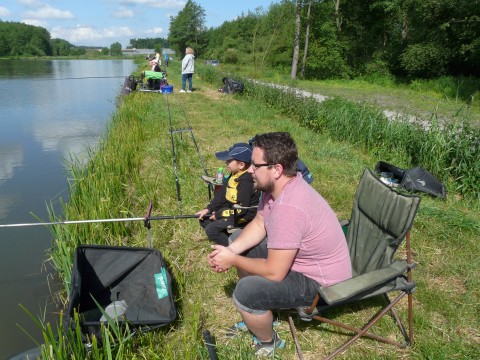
[294, 243]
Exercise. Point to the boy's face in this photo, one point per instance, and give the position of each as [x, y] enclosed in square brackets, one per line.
[235, 166]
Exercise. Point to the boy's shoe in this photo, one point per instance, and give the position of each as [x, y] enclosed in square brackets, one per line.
[267, 349]
[182, 91]
[189, 90]
[241, 327]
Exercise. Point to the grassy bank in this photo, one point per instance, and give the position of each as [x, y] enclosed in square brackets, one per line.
[448, 98]
[134, 164]
[450, 151]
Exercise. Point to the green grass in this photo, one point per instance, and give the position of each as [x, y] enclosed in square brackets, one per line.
[447, 98]
[134, 164]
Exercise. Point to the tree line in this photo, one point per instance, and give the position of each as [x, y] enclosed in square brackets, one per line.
[19, 39]
[320, 39]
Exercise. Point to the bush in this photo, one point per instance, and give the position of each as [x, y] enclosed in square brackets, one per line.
[231, 56]
[424, 60]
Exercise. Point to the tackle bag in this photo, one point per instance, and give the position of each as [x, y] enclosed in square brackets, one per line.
[130, 284]
[415, 179]
[231, 86]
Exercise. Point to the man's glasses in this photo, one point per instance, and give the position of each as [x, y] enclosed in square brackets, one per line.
[256, 166]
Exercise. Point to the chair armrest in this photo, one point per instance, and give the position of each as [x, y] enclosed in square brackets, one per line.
[350, 288]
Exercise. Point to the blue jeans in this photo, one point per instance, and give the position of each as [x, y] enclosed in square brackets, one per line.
[256, 294]
[186, 77]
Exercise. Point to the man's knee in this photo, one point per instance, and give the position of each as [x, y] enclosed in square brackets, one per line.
[244, 296]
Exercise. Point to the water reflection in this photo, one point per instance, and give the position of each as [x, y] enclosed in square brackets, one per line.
[67, 137]
[11, 157]
[50, 110]
[25, 68]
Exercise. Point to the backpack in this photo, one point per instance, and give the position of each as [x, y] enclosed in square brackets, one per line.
[415, 179]
[231, 86]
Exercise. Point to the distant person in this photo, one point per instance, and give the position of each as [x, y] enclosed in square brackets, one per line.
[155, 62]
[167, 58]
[237, 190]
[188, 68]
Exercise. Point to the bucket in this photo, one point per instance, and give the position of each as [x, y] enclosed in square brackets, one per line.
[167, 89]
[115, 310]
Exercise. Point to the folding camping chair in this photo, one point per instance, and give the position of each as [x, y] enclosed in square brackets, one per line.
[381, 218]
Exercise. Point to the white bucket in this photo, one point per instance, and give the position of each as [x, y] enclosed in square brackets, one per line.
[115, 310]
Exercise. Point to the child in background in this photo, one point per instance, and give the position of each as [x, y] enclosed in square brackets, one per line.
[238, 189]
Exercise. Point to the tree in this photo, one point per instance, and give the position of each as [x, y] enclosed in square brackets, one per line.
[296, 41]
[22, 39]
[158, 48]
[188, 29]
[60, 47]
[307, 35]
[116, 49]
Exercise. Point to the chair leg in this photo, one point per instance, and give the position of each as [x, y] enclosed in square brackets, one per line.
[364, 330]
[398, 321]
[295, 338]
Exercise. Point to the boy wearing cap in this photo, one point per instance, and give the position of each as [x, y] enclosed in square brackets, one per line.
[238, 190]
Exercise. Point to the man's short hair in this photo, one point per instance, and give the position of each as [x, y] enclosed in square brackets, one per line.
[278, 148]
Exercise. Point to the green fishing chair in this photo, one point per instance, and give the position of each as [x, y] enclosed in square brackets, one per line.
[381, 218]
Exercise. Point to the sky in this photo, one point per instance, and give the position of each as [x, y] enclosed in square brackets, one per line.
[103, 22]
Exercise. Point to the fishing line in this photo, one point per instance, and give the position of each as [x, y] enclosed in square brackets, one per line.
[83, 78]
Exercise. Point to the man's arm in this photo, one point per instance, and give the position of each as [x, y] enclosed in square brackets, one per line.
[275, 267]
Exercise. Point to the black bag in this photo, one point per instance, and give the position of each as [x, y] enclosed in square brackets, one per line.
[415, 179]
[231, 86]
[135, 277]
[129, 85]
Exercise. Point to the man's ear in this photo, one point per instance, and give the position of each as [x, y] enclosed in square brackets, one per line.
[278, 171]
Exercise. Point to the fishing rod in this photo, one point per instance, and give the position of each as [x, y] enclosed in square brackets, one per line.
[146, 221]
[93, 221]
[209, 342]
[177, 182]
[198, 152]
[195, 143]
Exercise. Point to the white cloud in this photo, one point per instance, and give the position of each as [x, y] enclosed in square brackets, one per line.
[123, 12]
[34, 3]
[48, 12]
[35, 22]
[168, 4]
[4, 12]
[82, 34]
[154, 31]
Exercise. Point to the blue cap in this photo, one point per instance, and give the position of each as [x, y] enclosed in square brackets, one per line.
[240, 152]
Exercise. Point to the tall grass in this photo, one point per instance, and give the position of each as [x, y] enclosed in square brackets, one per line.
[450, 151]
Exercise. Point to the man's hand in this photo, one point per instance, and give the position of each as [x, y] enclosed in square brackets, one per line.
[221, 258]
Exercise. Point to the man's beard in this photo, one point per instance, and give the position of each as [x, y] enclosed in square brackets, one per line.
[266, 188]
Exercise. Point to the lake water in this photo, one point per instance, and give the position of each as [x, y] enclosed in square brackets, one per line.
[48, 110]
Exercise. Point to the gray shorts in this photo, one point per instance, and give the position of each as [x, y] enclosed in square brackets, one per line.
[256, 295]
